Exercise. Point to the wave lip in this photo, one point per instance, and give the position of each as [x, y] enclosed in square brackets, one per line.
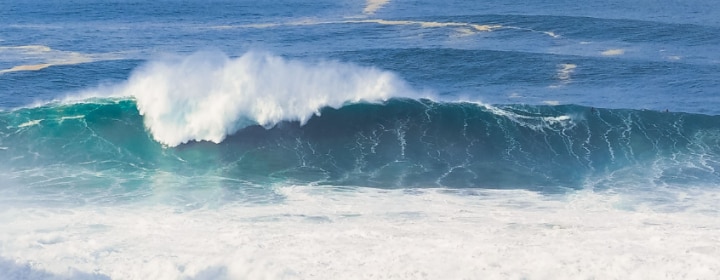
[207, 96]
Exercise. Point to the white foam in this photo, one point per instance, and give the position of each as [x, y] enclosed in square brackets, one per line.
[372, 6]
[564, 73]
[613, 52]
[72, 117]
[30, 123]
[432, 24]
[317, 233]
[206, 96]
[549, 33]
[565, 70]
[32, 67]
[530, 121]
[47, 57]
[462, 32]
[27, 48]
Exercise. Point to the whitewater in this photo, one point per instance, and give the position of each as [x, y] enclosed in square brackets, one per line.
[359, 140]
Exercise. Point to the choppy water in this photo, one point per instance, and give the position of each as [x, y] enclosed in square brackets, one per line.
[359, 139]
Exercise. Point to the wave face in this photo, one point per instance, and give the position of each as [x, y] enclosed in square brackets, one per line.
[396, 143]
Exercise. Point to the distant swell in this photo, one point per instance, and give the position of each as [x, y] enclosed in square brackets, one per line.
[396, 143]
[207, 96]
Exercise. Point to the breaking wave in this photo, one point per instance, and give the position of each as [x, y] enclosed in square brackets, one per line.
[207, 95]
[399, 142]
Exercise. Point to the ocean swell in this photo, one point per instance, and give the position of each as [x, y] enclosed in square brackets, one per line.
[395, 143]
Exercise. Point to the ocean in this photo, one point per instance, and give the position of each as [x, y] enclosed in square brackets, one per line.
[372, 139]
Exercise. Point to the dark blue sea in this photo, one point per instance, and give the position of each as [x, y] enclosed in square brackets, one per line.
[374, 139]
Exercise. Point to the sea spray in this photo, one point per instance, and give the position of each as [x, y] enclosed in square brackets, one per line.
[207, 95]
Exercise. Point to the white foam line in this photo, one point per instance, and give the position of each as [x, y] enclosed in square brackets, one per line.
[533, 122]
[32, 67]
[549, 33]
[27, 48]
[613, 52]
[50, 57]
[30, 123]
[429, 24]
[72, 117]
[471, 27]
[318, 233]
[74, 58]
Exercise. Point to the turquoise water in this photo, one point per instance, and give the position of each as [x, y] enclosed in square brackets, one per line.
[210, 110]
[400, 143]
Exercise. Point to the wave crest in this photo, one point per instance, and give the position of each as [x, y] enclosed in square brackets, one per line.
[207, 95]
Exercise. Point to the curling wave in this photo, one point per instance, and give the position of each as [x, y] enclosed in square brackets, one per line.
[207, 95]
